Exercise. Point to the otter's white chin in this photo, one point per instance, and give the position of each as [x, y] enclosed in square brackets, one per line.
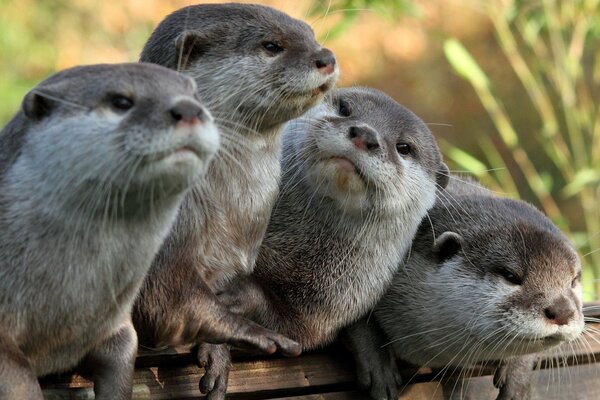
[540, 342]
[310, 100]
[528, 347]
[342, 183]
[342, 177]
[300, 103]
[182, 166]
[182, 159]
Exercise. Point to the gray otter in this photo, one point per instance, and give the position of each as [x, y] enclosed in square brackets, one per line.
[256, 68]
[487, 278]
[359, 173]
[92, 171]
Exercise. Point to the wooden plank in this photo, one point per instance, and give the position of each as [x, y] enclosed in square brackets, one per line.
[581, 382]
[264, 378]
[285, 374]
[574, 383]
[173, 374]
[353, 395]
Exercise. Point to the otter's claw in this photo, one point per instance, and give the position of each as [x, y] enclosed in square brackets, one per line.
[255, 336]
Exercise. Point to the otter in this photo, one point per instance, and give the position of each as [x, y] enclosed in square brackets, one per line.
[359, 173]
[256, 68]
[93, 169]
[487, 278]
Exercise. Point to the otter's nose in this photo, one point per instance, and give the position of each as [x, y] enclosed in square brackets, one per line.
[363, 138]
[561, 312]
[325, 61]
[187, 111]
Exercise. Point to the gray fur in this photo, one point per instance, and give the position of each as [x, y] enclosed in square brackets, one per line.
[466, 293]
[336, 238]
[251, 92]
[451, 304]
[221, 46]
[221, 225]
[88, 192]
[514, 377]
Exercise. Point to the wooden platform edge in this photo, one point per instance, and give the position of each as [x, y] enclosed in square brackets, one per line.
[173, 374]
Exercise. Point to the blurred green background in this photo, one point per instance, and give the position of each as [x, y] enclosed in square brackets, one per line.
[509, 87]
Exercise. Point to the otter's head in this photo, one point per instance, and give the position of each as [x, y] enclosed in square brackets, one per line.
[513, 278]
[365, 152]
[93, 133]
[253, 64]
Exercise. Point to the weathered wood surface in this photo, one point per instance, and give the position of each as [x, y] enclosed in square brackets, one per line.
[570, 372]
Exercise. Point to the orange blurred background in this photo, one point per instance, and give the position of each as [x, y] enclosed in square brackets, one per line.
[401, 53]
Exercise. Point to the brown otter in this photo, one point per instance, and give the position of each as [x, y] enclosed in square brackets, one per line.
[92, 172]
[256, 68]
[487, 278]
[359, 173]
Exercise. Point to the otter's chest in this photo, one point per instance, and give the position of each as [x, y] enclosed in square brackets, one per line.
[364, 279]
[61, 347]
[240, 201]
[345, 287]
[80, 296]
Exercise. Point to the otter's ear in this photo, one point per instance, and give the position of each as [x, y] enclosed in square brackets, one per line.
[447, 245]
[190, 46]
[37, 106]
[442, 176]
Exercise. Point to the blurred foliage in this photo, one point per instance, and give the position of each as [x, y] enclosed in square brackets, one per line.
[552, 48]
[349, 10]
[39, 37]
[538, 81]
[554, 159]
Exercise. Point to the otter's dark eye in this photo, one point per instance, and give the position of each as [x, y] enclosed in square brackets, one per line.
[121, 103]
[576, 280]
[403, 149]
[343, 109]
[272, 48]
[509, 276]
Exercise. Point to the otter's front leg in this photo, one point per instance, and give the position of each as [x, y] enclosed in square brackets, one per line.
[219, 325]
[238, 331]
[376, 368]
[17, 379]
[110, 365]
[242, 297]
[216, 360]
[513, 378]
[180, 308]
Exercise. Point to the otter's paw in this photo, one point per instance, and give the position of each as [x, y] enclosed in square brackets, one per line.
[216, 360]
[513, 378]
[379, 375]
[254, 335]
[286, 346]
